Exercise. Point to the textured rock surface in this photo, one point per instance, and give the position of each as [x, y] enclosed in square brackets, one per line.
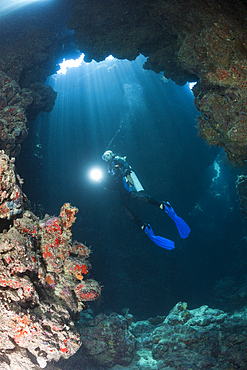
[193, 339]
[29, 57]
[28, 60]
[17, 360]
[11, 196]
[13, 120]
[106, 341]
[42, 284]
[202, 338]
[25, 63]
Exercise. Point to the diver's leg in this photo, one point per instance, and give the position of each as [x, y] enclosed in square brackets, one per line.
[145, 198]
[158, 240]
[133, 217]
[182, 227]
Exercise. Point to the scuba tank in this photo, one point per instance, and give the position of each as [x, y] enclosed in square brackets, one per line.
[134, 183]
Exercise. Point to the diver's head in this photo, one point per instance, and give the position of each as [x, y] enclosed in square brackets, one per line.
[108, 156]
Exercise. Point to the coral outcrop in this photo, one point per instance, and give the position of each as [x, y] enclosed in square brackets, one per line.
[17, 106]
[42, 272]
[201, 338]
[221, 92]
[29, 60]
[30, 57]
[11, 196]
[25, 63]
[13, 120]
[193, 339]
[106, 341]
[202, 41]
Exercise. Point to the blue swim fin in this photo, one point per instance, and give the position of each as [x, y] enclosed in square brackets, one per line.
[159, 240]
[182, 227]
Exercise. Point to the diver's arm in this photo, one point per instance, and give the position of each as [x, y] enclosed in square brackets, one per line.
[122, 165]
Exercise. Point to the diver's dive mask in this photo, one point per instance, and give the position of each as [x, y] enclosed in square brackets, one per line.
[108, 155]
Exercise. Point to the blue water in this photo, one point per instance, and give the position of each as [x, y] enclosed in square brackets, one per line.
[153, 122]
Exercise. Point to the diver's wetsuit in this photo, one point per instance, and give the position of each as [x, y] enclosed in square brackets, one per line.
[118, 171]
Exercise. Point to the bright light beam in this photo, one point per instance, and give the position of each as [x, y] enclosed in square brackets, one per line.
[95, 174]
[8, 6]
[191, 85]
[70, 63]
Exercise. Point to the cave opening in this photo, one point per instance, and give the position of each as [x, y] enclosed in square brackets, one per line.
[116, 104]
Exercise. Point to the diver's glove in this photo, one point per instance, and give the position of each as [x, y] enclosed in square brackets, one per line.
[182, 227]
[159, 240]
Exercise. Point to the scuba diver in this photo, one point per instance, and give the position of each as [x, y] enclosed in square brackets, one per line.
[122, 178]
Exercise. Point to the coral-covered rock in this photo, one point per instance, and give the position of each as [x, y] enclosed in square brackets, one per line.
[28, 60]
[11, 196]
[29, 57]
[202, 338]
[13, 103]
[43, 99]
[41, 278]
[106, 341]
[18, 359]
[41, 335]
[217, 55]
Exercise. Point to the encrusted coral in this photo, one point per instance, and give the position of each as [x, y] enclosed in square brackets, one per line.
[202, 338]
[25, 63]
[218, 56]
[13, 102]
[41, 277]
[106, 341]
[16, 105]
[11, 196]
[29, 57]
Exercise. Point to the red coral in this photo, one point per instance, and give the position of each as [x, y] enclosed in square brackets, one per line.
[42, 251]
[87, 291]
[67, 214]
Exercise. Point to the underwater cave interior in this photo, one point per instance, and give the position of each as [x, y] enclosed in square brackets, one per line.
[186, 143]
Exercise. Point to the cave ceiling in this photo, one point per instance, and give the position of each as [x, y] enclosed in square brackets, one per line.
[203, 41]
